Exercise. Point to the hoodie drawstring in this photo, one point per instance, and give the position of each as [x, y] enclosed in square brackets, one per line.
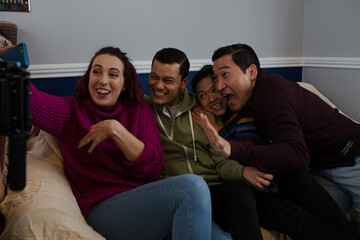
[185, 148]
[193, 135]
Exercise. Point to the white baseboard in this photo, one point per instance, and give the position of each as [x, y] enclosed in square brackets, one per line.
[347, 63]
[78, 69]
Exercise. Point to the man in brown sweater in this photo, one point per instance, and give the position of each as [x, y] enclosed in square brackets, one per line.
[300, 129]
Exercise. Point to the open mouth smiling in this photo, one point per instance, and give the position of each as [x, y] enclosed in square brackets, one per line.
[217, 106]
[229, 97]
[102, 91]
[159, 93]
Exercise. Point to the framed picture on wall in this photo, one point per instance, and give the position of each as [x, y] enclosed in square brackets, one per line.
[15, 5]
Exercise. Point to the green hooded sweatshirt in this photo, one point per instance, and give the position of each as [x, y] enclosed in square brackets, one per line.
[179, 139]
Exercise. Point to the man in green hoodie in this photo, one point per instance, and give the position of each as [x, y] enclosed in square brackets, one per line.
[187, 149]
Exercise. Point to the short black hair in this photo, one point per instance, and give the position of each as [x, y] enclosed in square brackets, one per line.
[242, 55]
[173, 55]
[205, 71]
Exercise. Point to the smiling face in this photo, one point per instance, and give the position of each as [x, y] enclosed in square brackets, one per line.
[235, 85]
[165, 83]
[106, 80]
[210, 99]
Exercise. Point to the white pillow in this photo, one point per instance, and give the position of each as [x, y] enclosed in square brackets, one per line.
[311, 88]
[46, 208]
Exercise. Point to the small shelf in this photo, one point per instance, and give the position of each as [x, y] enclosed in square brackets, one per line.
[15, 5]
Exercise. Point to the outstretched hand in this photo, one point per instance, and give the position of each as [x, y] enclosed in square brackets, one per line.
[217, 142]
[195, 113]
[257, 178]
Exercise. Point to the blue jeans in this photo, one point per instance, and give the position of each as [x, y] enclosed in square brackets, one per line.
[347, 182]
[179, 206]
[216, 233]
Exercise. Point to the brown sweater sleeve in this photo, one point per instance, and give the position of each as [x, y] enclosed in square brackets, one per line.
[274, 107]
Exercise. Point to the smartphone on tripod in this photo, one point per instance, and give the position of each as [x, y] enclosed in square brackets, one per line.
[17, 54]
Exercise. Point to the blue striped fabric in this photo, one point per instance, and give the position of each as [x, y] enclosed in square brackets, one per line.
[240, 127]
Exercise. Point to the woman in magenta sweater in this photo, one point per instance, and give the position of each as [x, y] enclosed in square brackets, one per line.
[112, 156]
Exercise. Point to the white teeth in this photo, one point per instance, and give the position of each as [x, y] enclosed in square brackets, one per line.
[216, 106]
[103, 91]
[159, 93]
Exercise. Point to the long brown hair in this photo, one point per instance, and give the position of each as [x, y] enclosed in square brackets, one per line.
[133, 93]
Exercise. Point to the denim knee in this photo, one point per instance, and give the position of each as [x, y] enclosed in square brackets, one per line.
[195, 188]
[194, 183]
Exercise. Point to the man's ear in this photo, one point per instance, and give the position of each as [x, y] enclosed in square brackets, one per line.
[253, 71]
[184, 82]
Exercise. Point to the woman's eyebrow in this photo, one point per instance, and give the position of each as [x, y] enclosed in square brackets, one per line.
[200, 91]
[97, 65]
[115, 69]
[112, 69]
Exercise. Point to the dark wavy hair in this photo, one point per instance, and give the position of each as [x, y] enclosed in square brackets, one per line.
[242, 55]
[133, 93]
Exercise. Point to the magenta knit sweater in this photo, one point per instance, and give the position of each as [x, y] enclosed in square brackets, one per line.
[95, 177]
